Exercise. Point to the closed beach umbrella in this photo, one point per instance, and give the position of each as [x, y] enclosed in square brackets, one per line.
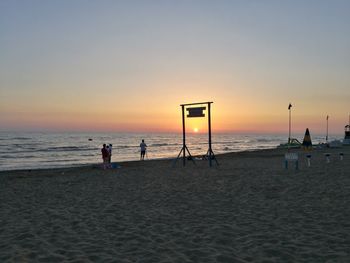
[307, 144]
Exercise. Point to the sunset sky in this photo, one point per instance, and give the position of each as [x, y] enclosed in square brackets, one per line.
[80, 65]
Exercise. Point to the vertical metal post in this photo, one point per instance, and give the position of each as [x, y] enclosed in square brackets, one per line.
[290, 123]
[183, 136]
[209, 132]
[327, 130]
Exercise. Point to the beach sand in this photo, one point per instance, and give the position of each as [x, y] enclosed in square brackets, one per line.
[249, 209]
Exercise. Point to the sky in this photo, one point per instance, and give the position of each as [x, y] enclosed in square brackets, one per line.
[82, 65]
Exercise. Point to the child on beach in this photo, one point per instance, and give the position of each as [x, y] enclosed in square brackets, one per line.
[143, 147]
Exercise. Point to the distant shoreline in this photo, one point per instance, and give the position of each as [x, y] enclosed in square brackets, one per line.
[170, 159]
[239, 154]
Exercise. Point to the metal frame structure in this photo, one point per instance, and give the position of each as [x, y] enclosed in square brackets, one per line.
[210, 154]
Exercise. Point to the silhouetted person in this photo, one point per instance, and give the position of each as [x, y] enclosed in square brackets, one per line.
[109, 148]
[105, 156]
[143, 147]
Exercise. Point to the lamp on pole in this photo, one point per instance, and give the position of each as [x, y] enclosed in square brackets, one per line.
[290, 122]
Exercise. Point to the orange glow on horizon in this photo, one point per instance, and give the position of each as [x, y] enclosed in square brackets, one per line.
[166, 117]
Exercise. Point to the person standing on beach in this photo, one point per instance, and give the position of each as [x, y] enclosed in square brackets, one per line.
[109, 148]
[105, 156]
[143, 147]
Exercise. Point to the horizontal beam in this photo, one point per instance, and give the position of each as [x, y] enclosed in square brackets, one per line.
[198, 103]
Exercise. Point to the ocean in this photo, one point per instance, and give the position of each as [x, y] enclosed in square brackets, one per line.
[23, 150]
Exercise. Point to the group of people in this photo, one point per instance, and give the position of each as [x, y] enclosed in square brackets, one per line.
[107, 154]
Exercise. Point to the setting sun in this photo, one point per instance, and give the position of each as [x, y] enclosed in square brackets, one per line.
[195, 130]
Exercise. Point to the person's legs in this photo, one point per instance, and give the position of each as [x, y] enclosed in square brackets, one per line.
[105, 163]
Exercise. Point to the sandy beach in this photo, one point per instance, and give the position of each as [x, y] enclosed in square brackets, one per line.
[249, 209]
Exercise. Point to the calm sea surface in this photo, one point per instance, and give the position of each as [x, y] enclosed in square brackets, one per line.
[49, 150]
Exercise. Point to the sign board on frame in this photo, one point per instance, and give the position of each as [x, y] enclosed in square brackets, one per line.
[196, 112]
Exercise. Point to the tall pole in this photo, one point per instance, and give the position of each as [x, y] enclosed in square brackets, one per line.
[290, 122]
[209, 132]
[183, 136]
[327, 130]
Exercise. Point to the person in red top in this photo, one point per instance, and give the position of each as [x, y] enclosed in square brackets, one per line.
[105, 156]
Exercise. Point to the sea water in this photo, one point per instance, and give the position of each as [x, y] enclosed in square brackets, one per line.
[23, 150]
